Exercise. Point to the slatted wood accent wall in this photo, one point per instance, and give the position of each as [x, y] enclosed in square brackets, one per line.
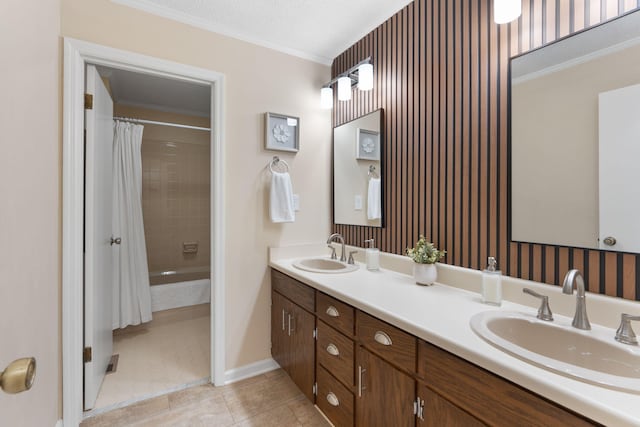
[440, 70]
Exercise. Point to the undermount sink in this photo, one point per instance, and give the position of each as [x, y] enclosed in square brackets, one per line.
[590, 356]
[324, 265]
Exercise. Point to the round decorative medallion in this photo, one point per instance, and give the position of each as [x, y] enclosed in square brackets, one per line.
[280, 134]
[368, 145]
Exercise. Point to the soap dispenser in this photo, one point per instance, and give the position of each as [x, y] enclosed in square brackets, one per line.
[492, 283]
[373, 256]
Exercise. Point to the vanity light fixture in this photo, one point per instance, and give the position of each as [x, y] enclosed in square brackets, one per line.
[344, 88]
[365, 77]
[326, 98]
[505, 11]
[360, 74]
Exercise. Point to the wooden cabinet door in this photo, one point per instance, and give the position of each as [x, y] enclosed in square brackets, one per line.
[437, 411]
[385, 395]
[302, 351]
[280, 347]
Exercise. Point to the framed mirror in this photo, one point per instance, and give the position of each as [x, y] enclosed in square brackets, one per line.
[358, 196]
[575, 140]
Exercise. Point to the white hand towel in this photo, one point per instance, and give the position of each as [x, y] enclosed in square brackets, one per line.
[374, 207]
[281, 198]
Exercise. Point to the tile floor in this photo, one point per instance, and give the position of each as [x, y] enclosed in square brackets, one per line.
[266, 400]
[171, 350]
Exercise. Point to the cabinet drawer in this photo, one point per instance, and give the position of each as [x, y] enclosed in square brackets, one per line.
[297, 292]
[335, 353]
[393, 344]
[335, 313]
[334, 399]
[486, 396]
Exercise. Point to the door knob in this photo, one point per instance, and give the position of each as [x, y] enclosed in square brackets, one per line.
[19, 375]
[116, 241]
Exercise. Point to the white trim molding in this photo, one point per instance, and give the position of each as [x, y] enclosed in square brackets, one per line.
[77, 54]
[250, 370]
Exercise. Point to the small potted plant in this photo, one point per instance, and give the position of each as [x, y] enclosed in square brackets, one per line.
[424, 256]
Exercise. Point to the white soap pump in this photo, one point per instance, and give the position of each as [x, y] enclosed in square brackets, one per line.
[492, 283]
[373, 256]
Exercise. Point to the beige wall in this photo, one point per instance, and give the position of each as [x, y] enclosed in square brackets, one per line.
[30, 255]
[175, 194]
[555, 149]
[257, 80]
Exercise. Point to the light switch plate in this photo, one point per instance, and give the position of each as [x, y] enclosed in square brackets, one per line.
[296, 202]
[357, 202]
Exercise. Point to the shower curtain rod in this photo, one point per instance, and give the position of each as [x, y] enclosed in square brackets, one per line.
[152, 122]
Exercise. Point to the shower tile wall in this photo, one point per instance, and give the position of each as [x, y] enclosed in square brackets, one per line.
[175, 195]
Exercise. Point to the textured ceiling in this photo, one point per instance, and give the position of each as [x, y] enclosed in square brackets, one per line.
[315, 30]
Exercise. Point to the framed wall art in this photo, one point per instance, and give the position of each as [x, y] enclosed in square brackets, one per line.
[282, 133]
[367, 144]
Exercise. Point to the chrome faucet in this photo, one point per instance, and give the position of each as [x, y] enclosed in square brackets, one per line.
[572, 280]
[338, 236]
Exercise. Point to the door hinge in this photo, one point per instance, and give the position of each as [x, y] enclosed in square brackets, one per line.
[315, 334]
[88, 101]
[315, 389]
[86, 354]
[418, 408]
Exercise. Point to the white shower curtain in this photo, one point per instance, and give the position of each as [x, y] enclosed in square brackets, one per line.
[131, 291]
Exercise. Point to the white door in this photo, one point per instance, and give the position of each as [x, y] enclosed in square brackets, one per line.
[99, 252]
[619, 174]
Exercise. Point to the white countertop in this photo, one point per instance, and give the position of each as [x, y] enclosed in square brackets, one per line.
[440, 315]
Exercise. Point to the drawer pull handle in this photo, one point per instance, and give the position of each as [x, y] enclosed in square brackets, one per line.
[332, 311]
[333, 350]
[382, 338]
[332, 399]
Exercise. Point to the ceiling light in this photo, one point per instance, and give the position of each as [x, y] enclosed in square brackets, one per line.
[506, 10]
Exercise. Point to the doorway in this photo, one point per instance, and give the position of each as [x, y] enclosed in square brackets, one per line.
[158, 316]
[77, 55]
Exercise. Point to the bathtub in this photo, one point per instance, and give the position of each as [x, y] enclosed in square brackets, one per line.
[180, 288]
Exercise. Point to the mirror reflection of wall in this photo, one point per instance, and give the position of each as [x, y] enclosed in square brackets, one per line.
[357, 171]
[558, 172]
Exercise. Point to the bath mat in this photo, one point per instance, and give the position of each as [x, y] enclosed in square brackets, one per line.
[113, 364]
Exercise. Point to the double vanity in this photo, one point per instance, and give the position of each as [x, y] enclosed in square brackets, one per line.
[373, 348]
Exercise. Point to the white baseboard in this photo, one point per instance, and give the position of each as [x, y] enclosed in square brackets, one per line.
[250, 370]
[59, 423]
[180, 294]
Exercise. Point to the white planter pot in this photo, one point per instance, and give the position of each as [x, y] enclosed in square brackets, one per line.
[425, 274]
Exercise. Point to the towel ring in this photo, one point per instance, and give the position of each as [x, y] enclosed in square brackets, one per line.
[277, 162]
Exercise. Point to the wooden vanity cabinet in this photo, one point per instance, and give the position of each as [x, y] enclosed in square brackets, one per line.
[436, 411]
[335, 356]
[292, 330]
[369, 373]
[385, 394]
[464, 394]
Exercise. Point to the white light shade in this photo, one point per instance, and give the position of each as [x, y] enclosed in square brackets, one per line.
[506, 10]
[365, 77]
[326, 98]
[344, 88]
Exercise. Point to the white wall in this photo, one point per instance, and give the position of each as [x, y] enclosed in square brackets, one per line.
[258, 80]
[30, 241]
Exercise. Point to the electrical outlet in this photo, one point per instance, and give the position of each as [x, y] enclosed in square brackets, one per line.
[357, 202]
